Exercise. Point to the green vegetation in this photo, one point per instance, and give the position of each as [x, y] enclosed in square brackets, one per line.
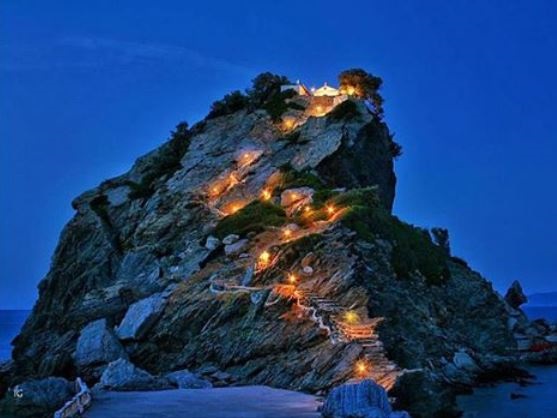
[292, 178]
[229, 104]
[413, 248]
[345, 111]
[164, 164]
[264, 94]
[99, 205]
[264, 87]
[253, 217]
[363, 85]
[276, 106]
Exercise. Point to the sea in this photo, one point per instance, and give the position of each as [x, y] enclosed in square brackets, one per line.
[538, 400]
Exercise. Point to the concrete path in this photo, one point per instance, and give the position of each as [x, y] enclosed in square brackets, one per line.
[230, 402]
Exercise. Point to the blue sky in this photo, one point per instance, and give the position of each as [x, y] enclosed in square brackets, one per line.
[470, 89]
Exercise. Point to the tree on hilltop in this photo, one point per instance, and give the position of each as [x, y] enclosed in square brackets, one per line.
[264, 87]
[364, 85]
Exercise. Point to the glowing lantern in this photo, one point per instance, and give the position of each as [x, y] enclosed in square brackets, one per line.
[234, 208]
[264, 258]
[361, 367]
[351, 317]
[232, 179]
[288, 123]
[292, 279]
[266, 194]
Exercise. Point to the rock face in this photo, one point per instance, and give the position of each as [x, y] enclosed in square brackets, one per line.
[140, 317]
[123, 375]
[151, 235]
[97, 345]
[185, 379]
[38, 397]
[515, 296]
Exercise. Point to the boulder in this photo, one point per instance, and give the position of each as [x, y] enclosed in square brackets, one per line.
[121, 375]
[365, 399]
[515, 296]
[212, 243]
[235, 248]
[140, 317]
[462, 360]
[230, 239]
[97, 345]
[37, 397]
[184, 379]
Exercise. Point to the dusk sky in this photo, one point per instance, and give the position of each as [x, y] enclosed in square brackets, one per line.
[470, 89]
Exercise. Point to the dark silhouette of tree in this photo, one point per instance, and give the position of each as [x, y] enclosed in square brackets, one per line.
[359, 83]
[264, 87]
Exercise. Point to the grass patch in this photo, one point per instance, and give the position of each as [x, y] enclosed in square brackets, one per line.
[254, 217]
[292, 178]
[345, 111]
[413, 248]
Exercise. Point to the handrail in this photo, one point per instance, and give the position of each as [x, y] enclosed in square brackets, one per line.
[77, 405]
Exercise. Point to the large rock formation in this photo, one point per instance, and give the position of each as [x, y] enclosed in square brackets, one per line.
[143, 253]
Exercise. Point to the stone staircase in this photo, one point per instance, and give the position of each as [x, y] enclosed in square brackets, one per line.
[382, 370]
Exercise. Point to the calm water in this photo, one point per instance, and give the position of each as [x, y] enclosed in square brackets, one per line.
[547, 312]
[496, 402]
[10, 324]
[541, 397]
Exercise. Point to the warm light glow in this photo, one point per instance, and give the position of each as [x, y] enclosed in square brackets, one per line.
[266, 194]
[307, 209]
[264, 257]
[215, 190]
[319, 109]
[234, 208]
[292, 278]
[287, 233]
[351, 317]
[294, 196]
[361, 367]
[350, 90]
[232, 178]
[288, 123]
[330, 209]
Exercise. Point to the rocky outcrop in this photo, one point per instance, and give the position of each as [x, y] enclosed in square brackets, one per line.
[257, 302]
[96, 346]
[37, 397]
[122, 375]
[515, 295]
[365, 399]
[140, 317]
[184, 379]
